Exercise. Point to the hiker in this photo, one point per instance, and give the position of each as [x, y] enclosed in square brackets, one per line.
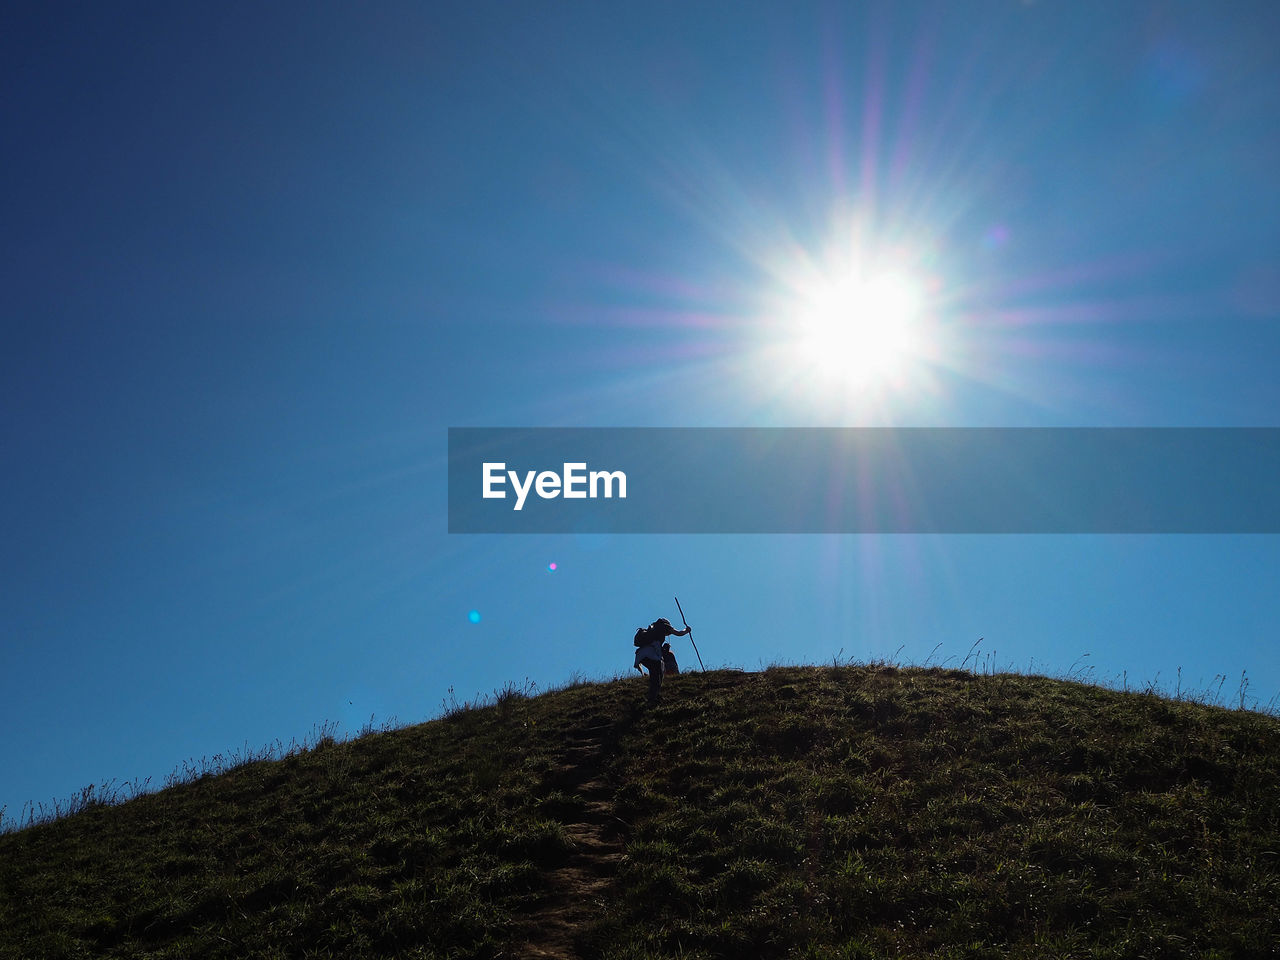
[669, 665]
[648, 642]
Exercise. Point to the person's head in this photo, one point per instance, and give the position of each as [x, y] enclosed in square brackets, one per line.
[662, 622]
[666, 647]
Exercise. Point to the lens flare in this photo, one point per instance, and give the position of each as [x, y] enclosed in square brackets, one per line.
[552, 566]
[996, 237]
[474, 616]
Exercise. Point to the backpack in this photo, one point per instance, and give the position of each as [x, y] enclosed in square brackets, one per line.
[653, 633]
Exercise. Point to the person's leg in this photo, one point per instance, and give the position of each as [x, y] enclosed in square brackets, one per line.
[655, 679]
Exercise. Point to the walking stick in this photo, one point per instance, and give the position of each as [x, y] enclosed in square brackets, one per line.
[690, 629]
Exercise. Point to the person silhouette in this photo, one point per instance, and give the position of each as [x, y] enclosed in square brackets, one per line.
[649, 653]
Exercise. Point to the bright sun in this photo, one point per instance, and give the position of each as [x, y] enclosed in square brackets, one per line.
[862, 331]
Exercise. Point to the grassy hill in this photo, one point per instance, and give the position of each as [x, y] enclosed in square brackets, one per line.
[836, 812]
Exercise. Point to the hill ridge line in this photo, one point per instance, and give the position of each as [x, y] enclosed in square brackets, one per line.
[850, 812]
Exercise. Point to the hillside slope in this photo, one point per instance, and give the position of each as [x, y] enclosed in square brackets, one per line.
[799, 812]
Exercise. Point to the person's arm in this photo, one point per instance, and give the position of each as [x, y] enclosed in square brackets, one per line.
[685, 631]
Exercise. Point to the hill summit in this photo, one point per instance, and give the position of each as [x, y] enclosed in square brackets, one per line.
[815, 812]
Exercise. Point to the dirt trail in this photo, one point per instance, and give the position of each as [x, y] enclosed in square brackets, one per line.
[578, 887]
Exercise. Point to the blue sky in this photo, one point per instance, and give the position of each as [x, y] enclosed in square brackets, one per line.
[256, 261]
